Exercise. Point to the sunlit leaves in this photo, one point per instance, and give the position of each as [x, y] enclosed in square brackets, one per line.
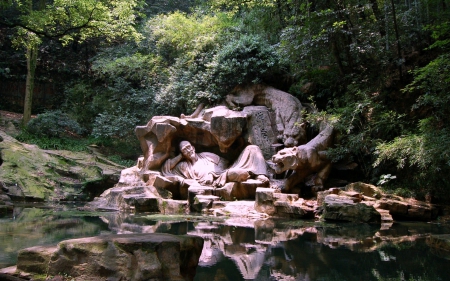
[181, 34]
[236, 5]
[78, 20]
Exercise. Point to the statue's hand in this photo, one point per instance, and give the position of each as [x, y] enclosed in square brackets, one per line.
[262, 178]
[208, 180]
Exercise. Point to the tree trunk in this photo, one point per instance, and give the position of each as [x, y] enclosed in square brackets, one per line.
[397, 37]
[29, 86]
[337, 56]
[378, 17]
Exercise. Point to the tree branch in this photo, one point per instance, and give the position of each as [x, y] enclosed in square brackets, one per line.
[46, 34]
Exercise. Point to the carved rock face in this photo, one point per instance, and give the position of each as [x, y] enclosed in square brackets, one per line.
[285, 159]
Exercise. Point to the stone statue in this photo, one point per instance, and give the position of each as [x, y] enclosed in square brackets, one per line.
[210, 169]
[287, 109]
[306, 160]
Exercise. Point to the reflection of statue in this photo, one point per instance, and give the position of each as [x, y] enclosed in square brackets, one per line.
[210, 169]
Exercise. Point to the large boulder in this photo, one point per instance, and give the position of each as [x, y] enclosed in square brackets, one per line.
[403, 209]
[117, 257]
[347, 208]
[33, 174]
[365, 189]
[274, 203]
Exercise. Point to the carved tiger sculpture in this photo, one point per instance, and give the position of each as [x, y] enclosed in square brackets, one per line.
[305, 160]
[287, 109]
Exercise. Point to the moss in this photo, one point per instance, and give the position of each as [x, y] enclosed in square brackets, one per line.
[33, 173]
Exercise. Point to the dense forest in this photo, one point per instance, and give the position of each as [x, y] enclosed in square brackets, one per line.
[378, 70]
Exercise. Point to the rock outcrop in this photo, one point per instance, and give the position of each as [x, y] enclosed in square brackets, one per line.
[117, 257]
[351, 209]
[33, 174]
[274, 203]
[360, 202]
[408, 209]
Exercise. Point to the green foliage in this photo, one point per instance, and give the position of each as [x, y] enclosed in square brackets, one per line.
[361, 121]
[54, 124]
[136, 67]
[120, 94]
[79, 20]
[237, 5]
[423, 151]
[115, 123]
[212, 75]
[54, 143]
[179, 34]
[119, 160]
[344, 57]
[248, 55]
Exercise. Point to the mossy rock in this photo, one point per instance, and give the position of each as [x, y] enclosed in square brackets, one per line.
[33, 174]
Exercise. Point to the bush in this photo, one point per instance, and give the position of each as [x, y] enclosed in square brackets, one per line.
[247, 59]
[422, 155]
[54, 124]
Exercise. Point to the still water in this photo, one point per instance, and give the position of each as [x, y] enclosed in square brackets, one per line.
[239, 249]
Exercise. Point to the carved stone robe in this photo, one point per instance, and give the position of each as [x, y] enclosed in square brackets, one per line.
[250, 160]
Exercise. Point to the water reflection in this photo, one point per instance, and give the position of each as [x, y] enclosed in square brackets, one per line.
[239, 249]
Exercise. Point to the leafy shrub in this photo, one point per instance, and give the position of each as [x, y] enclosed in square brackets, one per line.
[116, 123]
[246, 59]
[422, 155]
[180, 35]
[119, 95]
[54, 124]
[54, 143]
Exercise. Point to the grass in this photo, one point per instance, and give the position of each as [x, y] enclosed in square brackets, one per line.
[121, 152]
[44, 142]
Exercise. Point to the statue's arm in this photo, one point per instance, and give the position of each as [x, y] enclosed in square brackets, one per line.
[171, 163]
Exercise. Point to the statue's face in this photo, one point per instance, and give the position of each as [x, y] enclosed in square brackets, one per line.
[285, 159]
[188, 152]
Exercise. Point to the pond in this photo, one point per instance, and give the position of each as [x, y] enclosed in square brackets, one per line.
[243, 249]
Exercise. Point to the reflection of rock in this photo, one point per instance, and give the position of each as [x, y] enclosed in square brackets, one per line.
[290, 252]
[127, 257]
[440, 245]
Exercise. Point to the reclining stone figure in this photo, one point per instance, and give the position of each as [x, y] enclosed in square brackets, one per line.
[210, 169]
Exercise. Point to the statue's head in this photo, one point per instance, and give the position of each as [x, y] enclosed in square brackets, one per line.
[285, 159]
[188, 151]
[295, 135]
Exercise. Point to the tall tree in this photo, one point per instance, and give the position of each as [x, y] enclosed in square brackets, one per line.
[67, 21]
